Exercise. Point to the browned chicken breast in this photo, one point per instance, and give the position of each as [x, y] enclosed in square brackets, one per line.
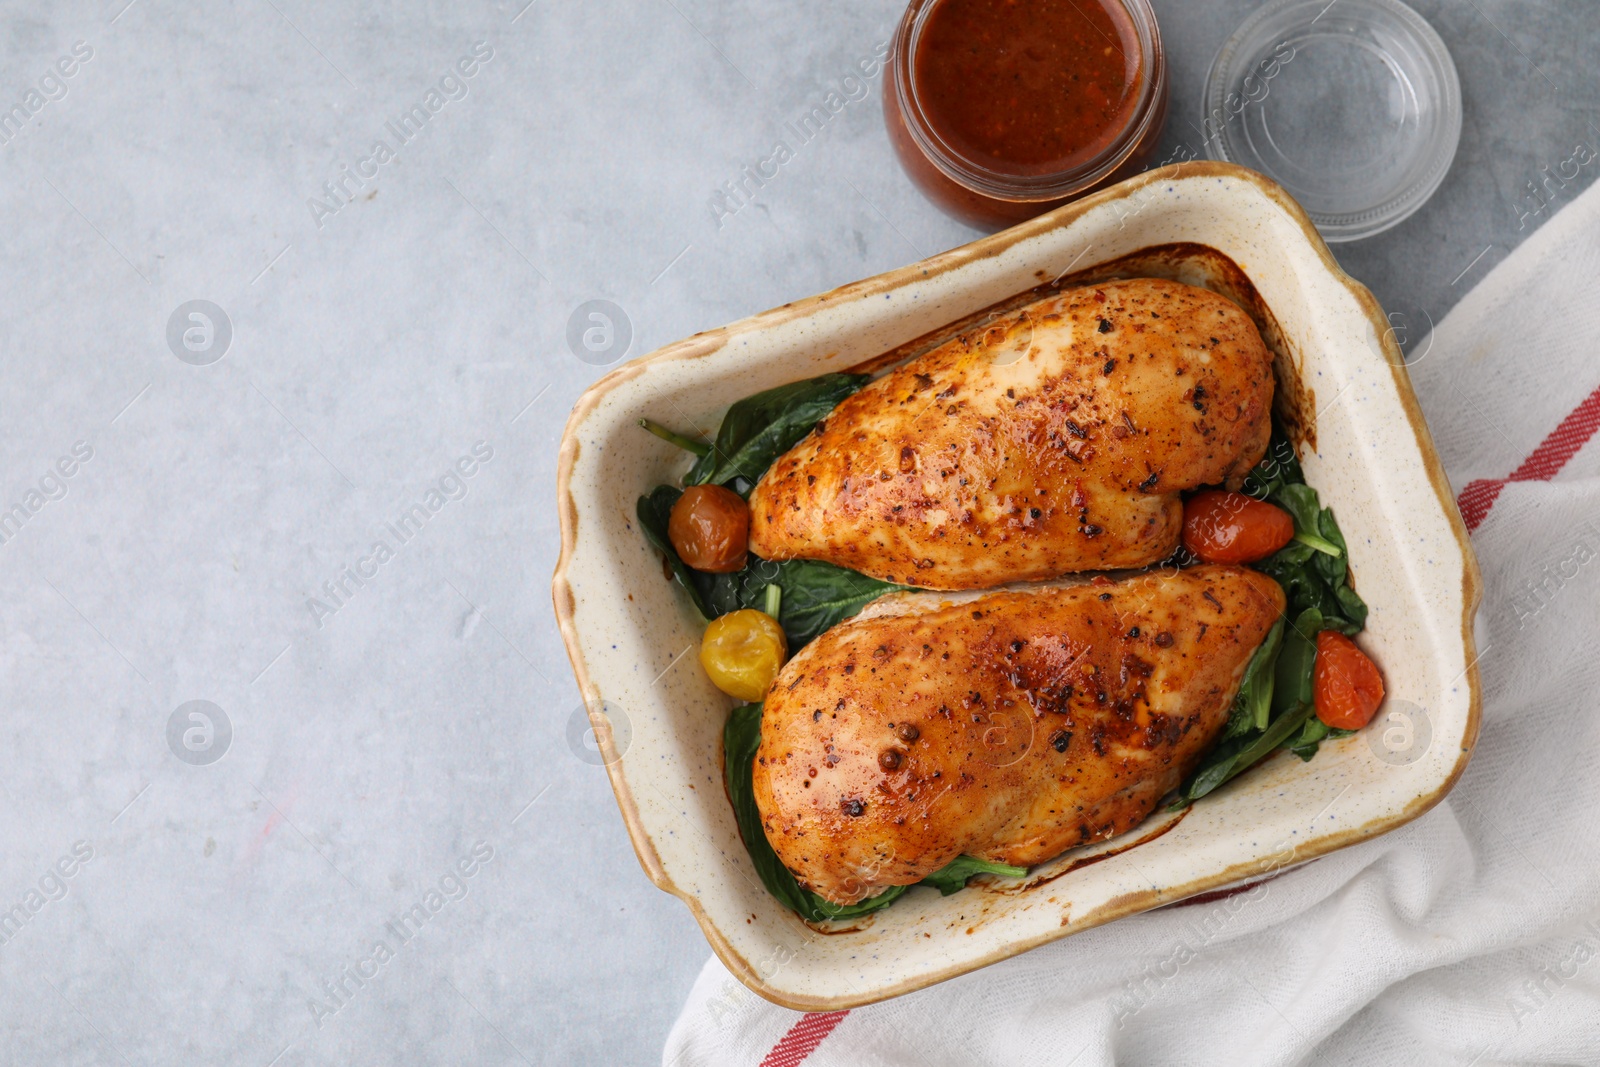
[1055, 440]
[1009, 725]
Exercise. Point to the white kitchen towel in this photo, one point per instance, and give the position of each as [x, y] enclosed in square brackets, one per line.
[1471, 936]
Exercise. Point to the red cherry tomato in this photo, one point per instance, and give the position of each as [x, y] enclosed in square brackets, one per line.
[1345, 683]
[1222, 527]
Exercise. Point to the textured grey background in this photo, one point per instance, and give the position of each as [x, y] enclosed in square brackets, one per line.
[374, 747]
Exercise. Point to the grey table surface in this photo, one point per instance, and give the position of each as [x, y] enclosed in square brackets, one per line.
[393, 332]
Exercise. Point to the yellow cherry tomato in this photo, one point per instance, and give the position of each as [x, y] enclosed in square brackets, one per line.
[742, 652]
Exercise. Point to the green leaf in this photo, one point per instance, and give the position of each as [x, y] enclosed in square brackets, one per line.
[818, 595]
[1241, 718]
[741, 737]
[1332, 619]
[1294, 554]
[654, 511]
[1250, 704]
[729, 592]
[1352, 607]
[1311, 735]
[1259, 676]
[1272, 737]
[952, 877]
[1312, 576]
[1334, 569]
[1316, 731]
[1212, 772]
[1300, 501]
[760, 428]
[814, 596]
[1244, 753]
[1292, 683]
[1304, 587]
[1279, 467]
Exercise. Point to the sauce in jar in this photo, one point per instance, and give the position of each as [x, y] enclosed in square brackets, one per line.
[1033, 86]
[1002, 109]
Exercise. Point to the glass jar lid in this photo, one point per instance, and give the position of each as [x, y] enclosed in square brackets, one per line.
[1352, 106]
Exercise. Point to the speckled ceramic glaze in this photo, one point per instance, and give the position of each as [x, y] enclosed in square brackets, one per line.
[1364, 447]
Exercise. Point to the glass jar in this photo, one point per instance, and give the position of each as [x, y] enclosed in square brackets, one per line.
[982, 188]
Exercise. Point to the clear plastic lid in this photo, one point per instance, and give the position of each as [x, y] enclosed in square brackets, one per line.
[1352, 106]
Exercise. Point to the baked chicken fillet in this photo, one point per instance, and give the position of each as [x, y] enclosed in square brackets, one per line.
[1010, 726]
[1054, 440]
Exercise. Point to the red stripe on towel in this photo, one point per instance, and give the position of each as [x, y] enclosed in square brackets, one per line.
[803, 1038]
[1544, 463]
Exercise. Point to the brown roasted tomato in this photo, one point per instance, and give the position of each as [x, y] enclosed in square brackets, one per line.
[710, 529]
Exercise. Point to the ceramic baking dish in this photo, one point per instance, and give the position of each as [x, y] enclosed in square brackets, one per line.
[1344, 391]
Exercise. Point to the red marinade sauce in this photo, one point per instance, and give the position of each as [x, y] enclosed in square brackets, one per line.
[1028, 86]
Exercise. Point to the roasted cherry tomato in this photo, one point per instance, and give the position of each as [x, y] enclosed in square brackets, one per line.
[1224, 527]
[1346, 684]
[742, 652]
[710, 528]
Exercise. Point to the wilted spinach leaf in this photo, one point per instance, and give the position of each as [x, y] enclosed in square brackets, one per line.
[760, 428]
[1311, 578]
[815, 595]
[952, 877]
[1296, 660]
